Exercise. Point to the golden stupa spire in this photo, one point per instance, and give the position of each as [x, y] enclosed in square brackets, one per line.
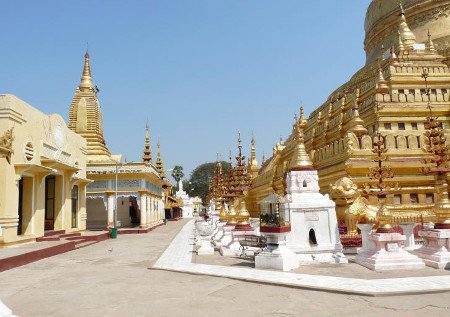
[300, 159]
[382, 86]
[430, 44]
[159, 163]
[393, 55]
[401, 47]
[406, 35]
[86, 78]
[302, 117]
[356, 124]
[147, 157]
[253, 163]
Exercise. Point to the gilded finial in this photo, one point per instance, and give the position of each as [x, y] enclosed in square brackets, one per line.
[302, 117]
[382, 86]
[300, 159]
[147, 156]
[406, 35]
[401, 47]
[393, 55]
[86, 77]
[430, 44]
[253, 163]
[159, 162]
[356, 124]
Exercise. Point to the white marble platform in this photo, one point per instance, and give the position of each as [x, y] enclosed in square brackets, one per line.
[178, 257]
[5, 311]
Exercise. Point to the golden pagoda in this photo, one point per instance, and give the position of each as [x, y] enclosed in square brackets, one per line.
[240, 181]
[85, 116]
[387, 95]
[132, 192]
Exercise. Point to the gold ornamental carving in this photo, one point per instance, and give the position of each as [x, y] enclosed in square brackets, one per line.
[6, 141]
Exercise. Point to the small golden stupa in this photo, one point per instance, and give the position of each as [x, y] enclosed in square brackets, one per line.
[243, 216]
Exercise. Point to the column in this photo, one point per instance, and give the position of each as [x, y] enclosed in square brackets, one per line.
[408, 231]
[110, 208]
[366, 230]
[143, 210]
[153, 210]
[149, 209]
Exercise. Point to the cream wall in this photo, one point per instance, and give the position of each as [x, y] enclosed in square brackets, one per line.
[42, 146]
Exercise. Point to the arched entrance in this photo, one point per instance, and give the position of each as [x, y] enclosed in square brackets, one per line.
[312, 237]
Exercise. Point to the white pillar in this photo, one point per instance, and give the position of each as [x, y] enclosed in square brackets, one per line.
[110, 209]
[366, 230]
[148, 209]
[153, 211]
[408, 231]
[143, 209]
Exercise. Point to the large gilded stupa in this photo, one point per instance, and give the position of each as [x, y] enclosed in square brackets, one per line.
[387, 95]
[381, 24]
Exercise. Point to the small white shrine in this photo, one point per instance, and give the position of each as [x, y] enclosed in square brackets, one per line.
[305, 225]
[188, 204]
[314, 233]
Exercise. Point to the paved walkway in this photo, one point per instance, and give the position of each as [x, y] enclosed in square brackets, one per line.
[112, 278]
[178, 257]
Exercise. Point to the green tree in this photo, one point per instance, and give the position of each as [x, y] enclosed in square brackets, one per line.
[201, 177]
[177, 173]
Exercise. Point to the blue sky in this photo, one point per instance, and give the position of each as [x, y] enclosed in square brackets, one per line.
[198, 70]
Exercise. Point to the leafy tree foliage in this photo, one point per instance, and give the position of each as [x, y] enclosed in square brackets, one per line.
[177, 173]
[201, 177]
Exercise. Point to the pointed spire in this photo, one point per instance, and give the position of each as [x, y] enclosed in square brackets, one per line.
[300, 159]
[393, 55]
[86, 78]
[147, 156]
[382, 86]
[303, 120]
[430, 44]
[406, 35]
[253, 163]
[159, 163]
[356, 124]
[401, 47]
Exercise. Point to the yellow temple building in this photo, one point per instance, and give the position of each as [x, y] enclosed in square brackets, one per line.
[136, 190]
[389, 95]
[43, 174]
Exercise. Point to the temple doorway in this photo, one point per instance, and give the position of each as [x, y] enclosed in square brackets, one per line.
[50, 182]
[20, 209]
[74, 206]
[25, 206]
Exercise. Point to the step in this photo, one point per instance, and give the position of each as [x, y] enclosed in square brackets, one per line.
[68, 235]
[25, 258]
[50, 238]
[84, 244]
[54, 233]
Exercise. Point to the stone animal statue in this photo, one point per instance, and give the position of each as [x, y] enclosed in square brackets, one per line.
[351, 207]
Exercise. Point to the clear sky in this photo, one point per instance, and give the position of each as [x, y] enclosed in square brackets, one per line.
[198, 70]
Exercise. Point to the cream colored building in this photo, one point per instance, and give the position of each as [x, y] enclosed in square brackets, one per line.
[134, 189]
[43, 173]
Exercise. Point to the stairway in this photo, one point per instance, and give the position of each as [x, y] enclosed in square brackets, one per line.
[80, 239]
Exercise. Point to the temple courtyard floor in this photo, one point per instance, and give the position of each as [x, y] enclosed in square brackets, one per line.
[154, 274]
